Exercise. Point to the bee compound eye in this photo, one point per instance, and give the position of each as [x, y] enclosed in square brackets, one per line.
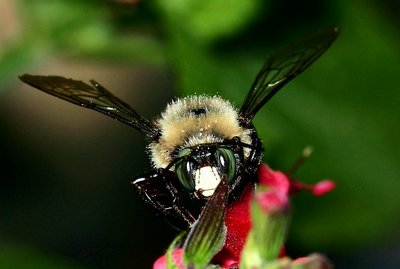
[184, 170]
[226, 162]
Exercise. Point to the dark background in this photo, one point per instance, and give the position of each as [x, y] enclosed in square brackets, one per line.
[65, 198]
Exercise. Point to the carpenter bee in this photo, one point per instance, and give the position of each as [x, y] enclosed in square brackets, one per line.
[199, 139]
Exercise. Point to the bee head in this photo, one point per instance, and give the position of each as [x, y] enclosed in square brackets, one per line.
[201, 168]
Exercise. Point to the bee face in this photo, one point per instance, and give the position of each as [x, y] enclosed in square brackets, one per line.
[193, 121]
[197, 140]
[201, 168]
[194, 142]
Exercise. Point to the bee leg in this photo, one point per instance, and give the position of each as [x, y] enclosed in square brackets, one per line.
[253, 161]
[156, 190]
[255, 156]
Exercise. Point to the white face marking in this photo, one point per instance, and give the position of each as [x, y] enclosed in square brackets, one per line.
[207, 180]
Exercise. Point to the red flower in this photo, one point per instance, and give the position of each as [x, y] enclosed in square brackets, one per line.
[238, 220]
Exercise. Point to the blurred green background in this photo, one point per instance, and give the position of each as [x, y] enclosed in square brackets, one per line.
[65, 199]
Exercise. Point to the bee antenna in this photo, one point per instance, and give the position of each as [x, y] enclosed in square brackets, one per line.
[177, 159]
[245, 145]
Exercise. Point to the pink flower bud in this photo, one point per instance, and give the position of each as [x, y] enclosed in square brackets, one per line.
[273, 179]
[323, 187]
[313, 261]
[272, 201]
[319, 189]
[177, 257]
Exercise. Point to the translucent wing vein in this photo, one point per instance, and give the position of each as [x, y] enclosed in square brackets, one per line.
[95, 97]
[283, 66]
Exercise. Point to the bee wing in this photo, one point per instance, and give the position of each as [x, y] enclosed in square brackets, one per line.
[283, 66]
[95, 97]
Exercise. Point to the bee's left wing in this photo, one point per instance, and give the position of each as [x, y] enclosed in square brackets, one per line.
[95, 97]
[283, 66]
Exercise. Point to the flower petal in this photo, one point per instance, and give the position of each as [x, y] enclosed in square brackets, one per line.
[273, 179]
[177, 256]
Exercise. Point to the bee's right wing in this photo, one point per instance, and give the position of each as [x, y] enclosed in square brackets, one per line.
[282, 66]
[95, 97]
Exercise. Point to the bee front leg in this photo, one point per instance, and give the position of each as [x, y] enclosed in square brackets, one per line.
[156, 190]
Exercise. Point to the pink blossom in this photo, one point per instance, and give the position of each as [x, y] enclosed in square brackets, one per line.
[177, 257]
[275, 180]
[319, 189]
[238, 219]
[272, 201]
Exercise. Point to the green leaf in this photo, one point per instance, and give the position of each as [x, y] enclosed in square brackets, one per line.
[268, 231]
[207, 236]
